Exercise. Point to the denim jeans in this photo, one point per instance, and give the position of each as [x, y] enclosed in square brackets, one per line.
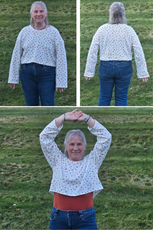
[38, 81]
[118, 74]
[85, 219]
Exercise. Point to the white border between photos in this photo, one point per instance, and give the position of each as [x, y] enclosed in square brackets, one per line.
[78, 55]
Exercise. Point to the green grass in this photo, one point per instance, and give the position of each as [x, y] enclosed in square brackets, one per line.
[139, 14]
[14, 15]
[126, 173]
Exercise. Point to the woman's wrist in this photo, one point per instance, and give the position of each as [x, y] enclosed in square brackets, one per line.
[89, 121]
[60, 120]
[86, 119]
[64, 117]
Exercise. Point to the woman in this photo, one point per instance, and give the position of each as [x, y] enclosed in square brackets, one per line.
[75, 179]
[40, 49]
[115, 41]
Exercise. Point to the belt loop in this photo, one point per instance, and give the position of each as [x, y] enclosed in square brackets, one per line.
[55, 209]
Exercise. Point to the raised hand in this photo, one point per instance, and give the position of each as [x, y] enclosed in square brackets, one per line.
[90, 121]
[73, 116]
[82, 117]
[69, 116]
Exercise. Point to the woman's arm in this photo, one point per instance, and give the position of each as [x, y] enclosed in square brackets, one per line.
[48, 145]
[102, 145]
[104, 138]
[48, 135]
[92, 57]
[139, 57]
[15, 63]
[61, 64]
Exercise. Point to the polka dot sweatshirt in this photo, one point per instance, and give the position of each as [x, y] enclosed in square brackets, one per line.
[74, 178]
[115, 42]
[45, 47]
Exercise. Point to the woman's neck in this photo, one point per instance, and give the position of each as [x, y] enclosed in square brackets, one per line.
[40, 26]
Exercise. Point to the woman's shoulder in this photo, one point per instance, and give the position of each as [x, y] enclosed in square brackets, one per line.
[24, 31]
[53, 29]
[102, 28]
[106, 25]
[129, 28]
[26, 28]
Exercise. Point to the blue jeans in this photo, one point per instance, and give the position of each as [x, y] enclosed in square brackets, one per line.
[38, 81]
[118, 74]
[85, 219]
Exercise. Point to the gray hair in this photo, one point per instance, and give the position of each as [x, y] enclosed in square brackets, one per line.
[38, 3]
[74, 134]
[117, 13]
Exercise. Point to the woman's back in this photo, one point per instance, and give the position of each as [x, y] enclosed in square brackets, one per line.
[115, 41]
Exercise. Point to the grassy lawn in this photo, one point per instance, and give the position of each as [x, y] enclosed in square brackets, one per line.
[14, 15]
[126, 174]
[140, 16]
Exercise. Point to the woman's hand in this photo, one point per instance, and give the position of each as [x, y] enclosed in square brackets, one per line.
[73, 116]
[82, 117]
[87, 78]
[12, 86]
[60, 89]
[90, 122]
[79, 116]
[145, 79]
[69, 116]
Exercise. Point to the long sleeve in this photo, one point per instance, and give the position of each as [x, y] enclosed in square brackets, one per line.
[92, 56]
[61, 63]
[48, 145]
[139, 57]
[102, 145]
[15, 62]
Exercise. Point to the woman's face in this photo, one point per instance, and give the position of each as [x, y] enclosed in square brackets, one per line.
[39, 14]
[75, 148]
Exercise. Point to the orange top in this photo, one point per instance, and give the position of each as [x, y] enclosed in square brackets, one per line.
[73, 203]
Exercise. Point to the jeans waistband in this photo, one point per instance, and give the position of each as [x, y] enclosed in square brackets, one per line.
[80, 212]
[37, 64]
[115, 62]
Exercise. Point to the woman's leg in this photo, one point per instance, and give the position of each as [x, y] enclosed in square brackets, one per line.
[29, 85]
[122, 81]
[106, 83]
[46, 85]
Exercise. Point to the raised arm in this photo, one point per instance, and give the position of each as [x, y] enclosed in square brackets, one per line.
[47, 142]
[48, 135]
[104, 138]
[102, 145]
